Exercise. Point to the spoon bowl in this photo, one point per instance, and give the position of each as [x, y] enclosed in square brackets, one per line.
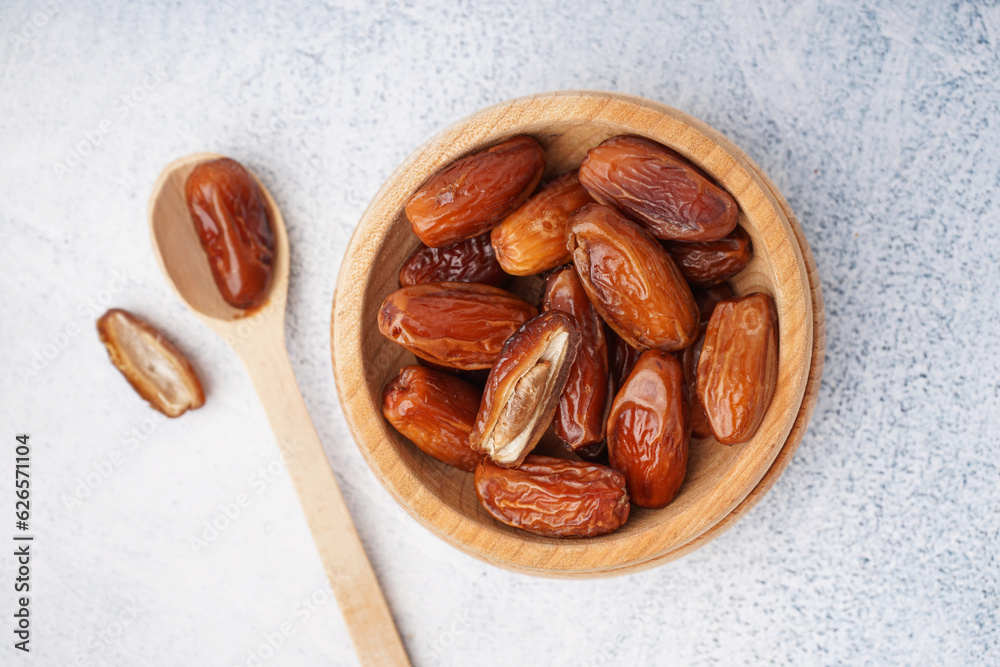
[182, 258]
[258, 337]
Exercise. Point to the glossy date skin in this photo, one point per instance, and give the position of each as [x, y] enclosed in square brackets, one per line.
[457, 325]
[658, 188]
[708, 263]
[706, 299]
[234, 228]
[631, 280]
[435, 411]
[584, 403]
[738, 366]
[532, 239]
[554, 497]
[649, 430]
[524, 388]
[468, 261]
[469, 196]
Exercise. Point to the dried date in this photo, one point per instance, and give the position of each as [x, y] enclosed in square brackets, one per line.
[707, 263]
[584, 404]
[658, 188]
[469, 196]
[435, 411]
[468, 261]
[158, 371]
[457, 325]
[706, 299]
[233, 225]
[524, 387]
[738, 366]
[554, 497]
[631, 280]
[532, 239]
[649, 429]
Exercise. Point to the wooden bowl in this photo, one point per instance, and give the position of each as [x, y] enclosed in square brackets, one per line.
[719, 478]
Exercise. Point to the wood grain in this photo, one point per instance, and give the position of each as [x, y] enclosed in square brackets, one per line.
[799, 428]
[719, 478]
[259, 339]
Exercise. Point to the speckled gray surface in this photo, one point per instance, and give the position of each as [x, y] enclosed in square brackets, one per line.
[879, 121]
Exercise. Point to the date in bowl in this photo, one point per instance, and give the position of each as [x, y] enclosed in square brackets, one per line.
[722, 482]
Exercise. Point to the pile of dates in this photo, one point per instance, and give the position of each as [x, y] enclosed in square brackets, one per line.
[636, 344]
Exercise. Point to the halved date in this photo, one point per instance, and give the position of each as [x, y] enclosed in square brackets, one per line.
[554, 497]
[738, 366]
[468, 261]
[524, 387]
[707, 263]
[631, 280]
[457, 325]
[649, 429]
[658, 188]
[584, 403]
[469, 196]
[532, 239]
[158, 371]
[435, 411]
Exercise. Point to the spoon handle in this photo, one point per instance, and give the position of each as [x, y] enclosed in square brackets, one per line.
[362, 604]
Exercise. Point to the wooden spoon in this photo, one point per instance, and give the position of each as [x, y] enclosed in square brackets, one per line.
[259, 340]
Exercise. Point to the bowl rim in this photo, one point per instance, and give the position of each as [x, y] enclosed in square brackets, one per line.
[504, 546]
[795, 436]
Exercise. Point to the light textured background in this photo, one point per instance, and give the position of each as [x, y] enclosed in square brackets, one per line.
[881, 124]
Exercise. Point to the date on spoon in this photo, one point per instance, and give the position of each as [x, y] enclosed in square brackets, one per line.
[258, 336]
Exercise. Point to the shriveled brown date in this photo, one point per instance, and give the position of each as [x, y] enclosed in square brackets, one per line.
[706, 299]
[532, 239]
[649, 429]
[738, 366]
[457, 325]
[707, 263]
[631, 280]
[524, 387]
[158, 371]
[554, 497]
[234, 228]
[584, 404]
[435, 411]
[469, 196]
[657, 187]
[468, 261]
